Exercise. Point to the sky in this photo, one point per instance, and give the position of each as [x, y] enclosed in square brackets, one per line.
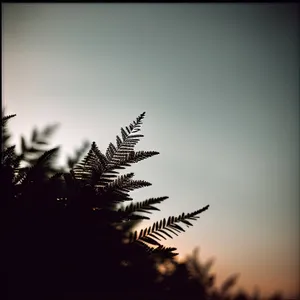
[220, 87]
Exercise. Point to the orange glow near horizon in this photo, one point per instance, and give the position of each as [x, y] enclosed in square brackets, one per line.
[248, 281]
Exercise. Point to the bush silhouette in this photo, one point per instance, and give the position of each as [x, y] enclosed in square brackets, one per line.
[68, 235]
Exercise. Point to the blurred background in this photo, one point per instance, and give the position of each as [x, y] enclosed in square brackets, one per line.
[220, 87]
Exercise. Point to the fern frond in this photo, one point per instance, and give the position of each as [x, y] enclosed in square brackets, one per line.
[31, 174]
[126, 144]
[229, 283]
[6, 118]
[40, 138]
[129, 212]
[160, 228]
[31, 151]
[163, 252]
[111, 150]
[120, 182]
[117, 190]
[46, 133]
[93, 168]
[119, 141]
[5, 134]
[134, 157]
[100, 156]
[118, 155]
[45, 159]
[135, 127]
[101, 170]
[145, 206]
[135, 184]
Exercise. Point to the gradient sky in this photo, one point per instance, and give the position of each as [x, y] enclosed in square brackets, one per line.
[219, 84]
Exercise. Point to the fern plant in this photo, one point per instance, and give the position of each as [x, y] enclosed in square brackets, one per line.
[100, 172]
[54, 207]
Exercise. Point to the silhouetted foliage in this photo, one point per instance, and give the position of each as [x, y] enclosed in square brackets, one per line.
[69, 235]
[66, 235]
